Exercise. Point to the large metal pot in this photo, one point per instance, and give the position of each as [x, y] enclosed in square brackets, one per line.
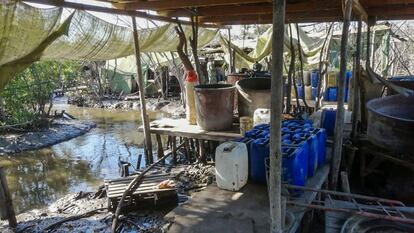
[253, 93]
[391, 123]
[214, 106]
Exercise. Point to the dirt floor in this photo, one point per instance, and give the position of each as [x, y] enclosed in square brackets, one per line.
[60, 130]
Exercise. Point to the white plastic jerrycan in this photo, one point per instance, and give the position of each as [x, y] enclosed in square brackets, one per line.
[231, 165]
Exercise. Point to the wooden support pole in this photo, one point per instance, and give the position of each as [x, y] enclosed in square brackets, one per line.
[230, 52]
[340, 113]
[5, 197]
[160, 150]
[187, 149]
[356, 78]
[202, 156]
[276, 104]
[174, 149]
[144, 116]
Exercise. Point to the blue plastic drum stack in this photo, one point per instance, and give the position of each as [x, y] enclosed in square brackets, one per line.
[303, 149]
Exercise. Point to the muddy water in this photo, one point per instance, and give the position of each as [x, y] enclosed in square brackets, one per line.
[39, 177]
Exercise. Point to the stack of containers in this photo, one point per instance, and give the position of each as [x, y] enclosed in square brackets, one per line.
[348, 77]
[314, 78]
[302, 86]
[303, 149]
[332, 87]
[331, 93]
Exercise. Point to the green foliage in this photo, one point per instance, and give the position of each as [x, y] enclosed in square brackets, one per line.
[27, 96]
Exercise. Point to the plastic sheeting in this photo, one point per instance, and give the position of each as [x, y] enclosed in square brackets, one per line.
[29, 34]
[311, 47]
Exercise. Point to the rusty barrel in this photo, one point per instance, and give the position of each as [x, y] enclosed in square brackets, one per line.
[391, 123]
[253, 93]
[214, 106]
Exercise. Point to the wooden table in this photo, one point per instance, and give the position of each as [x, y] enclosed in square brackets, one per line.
[180, 128]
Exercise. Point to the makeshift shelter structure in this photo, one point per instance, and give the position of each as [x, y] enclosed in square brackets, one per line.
[277, 12]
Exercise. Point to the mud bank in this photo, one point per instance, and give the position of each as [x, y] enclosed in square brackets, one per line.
[171, 106]
[60, 130]
[188, 179]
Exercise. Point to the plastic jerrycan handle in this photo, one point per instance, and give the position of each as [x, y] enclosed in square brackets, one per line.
[229, 148]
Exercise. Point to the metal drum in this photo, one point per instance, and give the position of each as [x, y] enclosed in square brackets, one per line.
[391, 123]
[254, 93]
[214, 106]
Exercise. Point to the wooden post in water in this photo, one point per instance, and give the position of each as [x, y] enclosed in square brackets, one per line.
[340, 112]
[6, 203]
[144, 116]
[356, 78]
[276, 104]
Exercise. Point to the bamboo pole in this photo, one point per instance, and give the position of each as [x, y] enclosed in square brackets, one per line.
[339, 122]
[144, 116]
[276, 104]
[356, 78]
[8, 203]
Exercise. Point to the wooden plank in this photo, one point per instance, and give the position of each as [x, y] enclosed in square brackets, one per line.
[119, 195]
[168, 4]
[180, 128]
[263, 8]
[129, 178]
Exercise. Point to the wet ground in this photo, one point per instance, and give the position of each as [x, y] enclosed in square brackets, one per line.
[38, 178]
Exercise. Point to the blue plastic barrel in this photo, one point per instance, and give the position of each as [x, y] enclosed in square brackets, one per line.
[296, 142]
[321, 135]
[332, 93]
[314, 78]
[322, 146]
[328, 119]
[301, 91]
[294, 164]
[259, 152]
[262, 127]
[253, 133]
[312, 141]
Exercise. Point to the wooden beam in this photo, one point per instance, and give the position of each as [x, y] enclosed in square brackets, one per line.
[319, 16]
[359, 10]
[168, 4]
[276, 104]
[139, 14]
[259, 8]
[140, 80]
[340, 112]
